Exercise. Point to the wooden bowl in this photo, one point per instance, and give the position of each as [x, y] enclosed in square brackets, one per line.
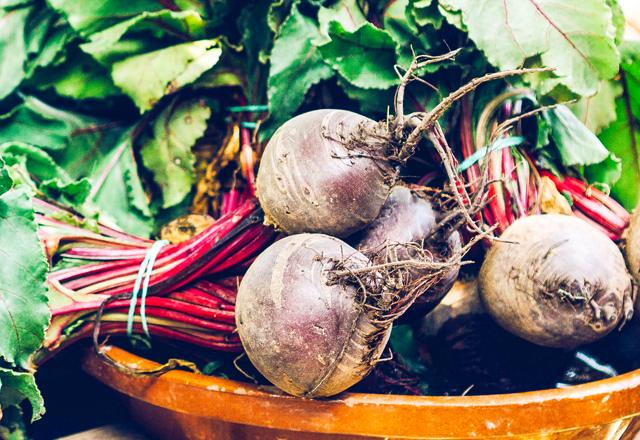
[180, 404]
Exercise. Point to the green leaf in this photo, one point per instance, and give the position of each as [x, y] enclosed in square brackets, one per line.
[599, 110]
[618, 20]
[13, 51]
[425, 13]
[347, 13]
[17, 386]
[91, 148]
[364, 57]
[576, 144]
[79, 77]
[147, 78]
[37, 123]
[296, 65]
[168, 153]
[6, 182]
[117, 189]
[94, 15]
[577, 39]
[623, 140]
[107, 46]
[24, 313]
[607, 172]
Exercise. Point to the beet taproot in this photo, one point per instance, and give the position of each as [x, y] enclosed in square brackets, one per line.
[556, 281]
[306, 334]
[409, 219]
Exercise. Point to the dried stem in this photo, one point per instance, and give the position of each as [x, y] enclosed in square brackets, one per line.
[432, 117]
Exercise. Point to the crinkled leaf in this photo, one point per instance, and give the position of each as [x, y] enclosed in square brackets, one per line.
[168, 153]
[278, 12]
[147, 78]
[408, 39]
[24, 313]
[93, 15]
[364, 57]
[618, 20]
[599, 110]
[576, 144]
[52, 49]
[425, 13]
[17, 386]
[110, 44]
[575, 38]
[13, 51]
[296, 65]
[347, 13]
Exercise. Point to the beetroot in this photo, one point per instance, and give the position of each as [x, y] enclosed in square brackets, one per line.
[556, 281]
[306, 334]
[311, 180]
[409, 219]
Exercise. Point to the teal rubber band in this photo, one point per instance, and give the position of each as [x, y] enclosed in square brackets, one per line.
[146, 267]
[500, 144]
[248, 124]
[145, 285]
[248, 108]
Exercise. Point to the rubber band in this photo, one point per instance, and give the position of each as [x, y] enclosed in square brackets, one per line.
[248, 124]
[499, 144]
[144, 274]
[256, 108]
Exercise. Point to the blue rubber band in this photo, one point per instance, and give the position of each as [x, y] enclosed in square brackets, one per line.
[248, 124]
[499, 144]
[144, 274]
[248, 108]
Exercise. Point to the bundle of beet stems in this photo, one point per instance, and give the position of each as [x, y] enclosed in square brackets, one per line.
[190, 290]
[517, 187]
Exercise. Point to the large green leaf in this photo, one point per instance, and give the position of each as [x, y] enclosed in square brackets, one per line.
[111, 44]
[17, 386]
[147, 78]
[93, 15]
[24, 313]
[576, 144]
[91, 148]
[575, 38]
[168, 153]
[296, 65]
[364, 57]
[13, 51]
[599, 110]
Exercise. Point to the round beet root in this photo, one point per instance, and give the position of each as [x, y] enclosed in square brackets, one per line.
[314, 178]
[307, 334]
[556, 281]
[408, 219]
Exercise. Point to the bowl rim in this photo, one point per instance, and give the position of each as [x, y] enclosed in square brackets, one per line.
[614, 401]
